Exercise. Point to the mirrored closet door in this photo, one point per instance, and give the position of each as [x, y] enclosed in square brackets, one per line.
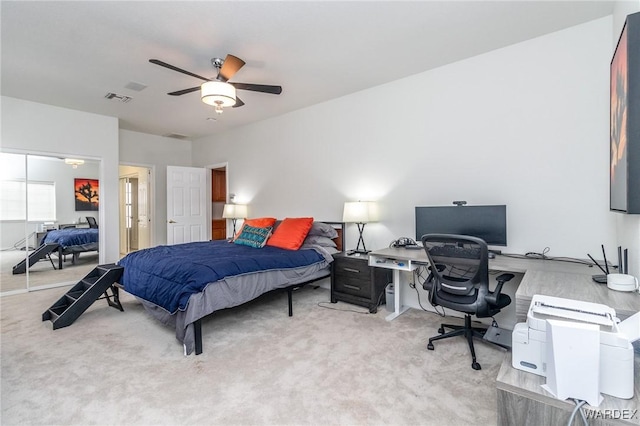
[13, 230]
[47, 200]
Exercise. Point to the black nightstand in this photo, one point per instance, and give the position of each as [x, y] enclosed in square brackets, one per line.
[354, 281]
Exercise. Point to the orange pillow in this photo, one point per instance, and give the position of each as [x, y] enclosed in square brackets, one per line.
[291, 232]
[258, 222]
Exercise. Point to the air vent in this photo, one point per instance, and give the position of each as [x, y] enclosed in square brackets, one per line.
[138, 87]
[121, 98]
[175, 136]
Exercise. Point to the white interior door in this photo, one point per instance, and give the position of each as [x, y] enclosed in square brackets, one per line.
[143, 208]
[124, 234]
[186, 204]
[133, 235]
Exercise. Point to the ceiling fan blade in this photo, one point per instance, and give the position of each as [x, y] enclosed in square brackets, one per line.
[184, 91]
[230, 66]
[274, 90]
[239, 103]
[171, 67]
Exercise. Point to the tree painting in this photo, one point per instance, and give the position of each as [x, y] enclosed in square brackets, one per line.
[86, 194]
[618, 125]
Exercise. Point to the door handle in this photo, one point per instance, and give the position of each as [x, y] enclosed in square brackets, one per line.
[172, 221]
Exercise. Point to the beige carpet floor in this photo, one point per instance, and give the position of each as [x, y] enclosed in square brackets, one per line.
[42, 272]
[320, 367]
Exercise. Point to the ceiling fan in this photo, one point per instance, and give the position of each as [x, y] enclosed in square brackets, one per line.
[218, 91]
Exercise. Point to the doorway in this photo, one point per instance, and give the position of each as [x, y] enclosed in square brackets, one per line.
[135, 202]
[218, 199]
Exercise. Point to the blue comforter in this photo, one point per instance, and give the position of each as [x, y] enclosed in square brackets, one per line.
[72, 236]
[168, 275]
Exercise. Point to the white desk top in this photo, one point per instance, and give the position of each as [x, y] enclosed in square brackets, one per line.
[573, 286]
[548, 277]
[504, 263]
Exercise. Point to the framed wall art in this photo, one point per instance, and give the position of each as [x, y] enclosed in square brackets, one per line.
[86, 194]
[624, 164]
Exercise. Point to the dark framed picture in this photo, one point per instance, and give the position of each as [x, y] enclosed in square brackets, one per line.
[624, 137]
[86, 194]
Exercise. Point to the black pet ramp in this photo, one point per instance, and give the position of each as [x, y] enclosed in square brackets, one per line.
[35, 256]
[82, 295]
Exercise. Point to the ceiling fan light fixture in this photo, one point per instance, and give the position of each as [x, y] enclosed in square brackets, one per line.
[73, 162]
[218, 94]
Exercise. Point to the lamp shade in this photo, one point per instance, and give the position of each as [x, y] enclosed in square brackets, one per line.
[234, 211]
[218, 93]
[360, 212]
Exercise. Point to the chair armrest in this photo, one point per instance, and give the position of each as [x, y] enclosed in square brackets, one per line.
[428, 283]
[495, 294]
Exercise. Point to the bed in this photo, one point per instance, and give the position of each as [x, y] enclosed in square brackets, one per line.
[72, 241]
[181, 284]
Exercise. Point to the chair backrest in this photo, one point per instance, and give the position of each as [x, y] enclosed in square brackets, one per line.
[92, 222]
[459, 264]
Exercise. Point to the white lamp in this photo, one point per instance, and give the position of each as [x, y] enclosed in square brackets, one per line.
[360, 213]
[218, 94]
[234, 212]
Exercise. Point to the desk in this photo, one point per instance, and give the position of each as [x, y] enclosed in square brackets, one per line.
[572, 286]
[520, 398]
[548, 277]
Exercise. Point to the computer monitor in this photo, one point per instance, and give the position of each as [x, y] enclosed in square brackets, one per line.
[486, 222]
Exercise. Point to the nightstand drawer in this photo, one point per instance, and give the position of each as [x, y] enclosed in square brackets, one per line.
[358, 285]
[354, 281]
[352, 276]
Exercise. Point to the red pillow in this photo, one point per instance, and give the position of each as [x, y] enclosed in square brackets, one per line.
[291, 232]
[258, 222]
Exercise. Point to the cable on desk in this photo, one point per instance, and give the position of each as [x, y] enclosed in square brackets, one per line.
[18, 245]
[543, 256]
[578, 407]
[379, 301]
[417, 276]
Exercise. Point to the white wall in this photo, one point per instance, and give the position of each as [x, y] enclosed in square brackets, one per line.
[34, 128]
[526, 125]
[155, 152]
[627, 226]
[41, 169]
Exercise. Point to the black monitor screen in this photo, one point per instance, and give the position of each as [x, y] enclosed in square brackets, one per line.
[486, 222]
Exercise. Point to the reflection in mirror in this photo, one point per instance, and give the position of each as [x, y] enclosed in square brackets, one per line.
[58, 197]
[13, 240]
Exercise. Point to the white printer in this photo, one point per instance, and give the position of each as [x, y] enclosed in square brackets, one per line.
[615, 372]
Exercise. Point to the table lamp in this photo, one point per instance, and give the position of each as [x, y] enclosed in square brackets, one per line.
[234, 212]
[360, 213]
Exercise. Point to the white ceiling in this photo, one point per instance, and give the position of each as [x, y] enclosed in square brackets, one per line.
[71, 54]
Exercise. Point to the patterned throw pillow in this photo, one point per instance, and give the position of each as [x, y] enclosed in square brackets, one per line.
[253, 237]
[258, 222]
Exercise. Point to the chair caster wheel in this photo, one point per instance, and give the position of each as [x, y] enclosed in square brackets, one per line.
[441, 330]
[430, 346]
[476, 366]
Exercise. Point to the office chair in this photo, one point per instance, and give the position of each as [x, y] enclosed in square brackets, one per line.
[92, 222]
[459, 280]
